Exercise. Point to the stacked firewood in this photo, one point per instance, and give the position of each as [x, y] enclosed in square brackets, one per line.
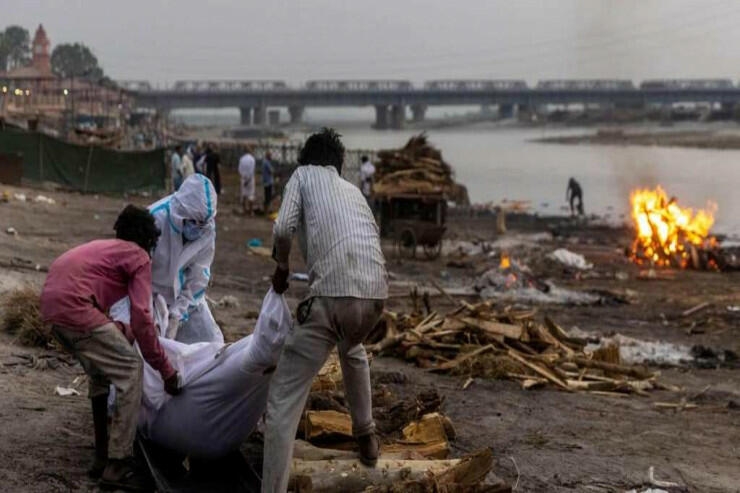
[482, 341]
[415, 444]
[417, 168]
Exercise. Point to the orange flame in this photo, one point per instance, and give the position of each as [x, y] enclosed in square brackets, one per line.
[666, 231]
[505, 262]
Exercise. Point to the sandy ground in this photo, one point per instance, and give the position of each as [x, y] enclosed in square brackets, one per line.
[544, 440]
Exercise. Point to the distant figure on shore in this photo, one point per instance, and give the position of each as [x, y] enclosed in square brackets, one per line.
[176, 168]
[367, 173]
[212, 162]
[574, 192]
[246, 174]
[268, 180]
[188, 168]
[199, 159]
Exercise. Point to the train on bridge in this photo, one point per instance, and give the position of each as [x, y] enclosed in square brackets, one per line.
[394, 99]
[354, 85]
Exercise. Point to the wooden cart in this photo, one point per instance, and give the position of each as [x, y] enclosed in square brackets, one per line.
[413, 220]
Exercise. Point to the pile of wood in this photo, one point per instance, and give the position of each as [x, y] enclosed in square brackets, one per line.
[416, 169]
[482, 341]
[415, 444]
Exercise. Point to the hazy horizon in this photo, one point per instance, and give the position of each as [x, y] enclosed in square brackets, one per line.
[163, 41]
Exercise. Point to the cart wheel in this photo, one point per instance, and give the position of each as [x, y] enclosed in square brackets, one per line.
[406, 244]
[433, 251]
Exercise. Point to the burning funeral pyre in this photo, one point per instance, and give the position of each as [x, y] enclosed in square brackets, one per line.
[669, 235]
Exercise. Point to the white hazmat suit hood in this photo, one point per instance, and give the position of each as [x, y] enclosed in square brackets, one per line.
[181, 269]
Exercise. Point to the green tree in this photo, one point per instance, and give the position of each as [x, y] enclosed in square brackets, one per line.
[16, 47]
[75, 60]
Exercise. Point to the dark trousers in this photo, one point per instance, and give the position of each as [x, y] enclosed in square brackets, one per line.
[576, 207]
[268, 196]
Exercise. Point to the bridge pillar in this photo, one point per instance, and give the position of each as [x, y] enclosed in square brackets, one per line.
[260, 115]
[418, 112]
[505, 110]
[381, 117]
[296, 113]
[398, 116]
[245, 116]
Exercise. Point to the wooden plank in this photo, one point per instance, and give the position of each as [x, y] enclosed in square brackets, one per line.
[695, 309]
[612, 368]
[464, 357]
[434, 450]
[429, 429]
[539, 369]
[328, 424]
[495, 328]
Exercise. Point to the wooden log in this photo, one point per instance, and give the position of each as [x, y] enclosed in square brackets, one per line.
[464, 357]
[591, 385]
[471, 470]
[340, 476]
[546, 336]
[432, 450]
[695, 309]
[305, 451]
[557, 332]
[631, 371]
[531, 383]
[539, 369]
[328, 425]
[428, 323]
[494, 328]
[429, 429]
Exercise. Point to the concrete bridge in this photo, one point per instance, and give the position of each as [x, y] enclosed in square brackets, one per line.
[392, 98]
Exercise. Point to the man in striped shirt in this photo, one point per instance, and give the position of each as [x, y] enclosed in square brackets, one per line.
[338, 238]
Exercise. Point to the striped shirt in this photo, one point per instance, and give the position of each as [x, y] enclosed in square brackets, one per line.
[337, 234]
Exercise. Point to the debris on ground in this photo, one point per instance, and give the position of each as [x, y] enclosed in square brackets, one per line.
[416, 168]
[21, 317]
[44, 199]
[226, 301]
[65, 391]
[571, 259]
[483, 341]
[45, 361]
[514, 282]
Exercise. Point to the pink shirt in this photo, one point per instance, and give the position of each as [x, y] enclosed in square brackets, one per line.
[85, 281]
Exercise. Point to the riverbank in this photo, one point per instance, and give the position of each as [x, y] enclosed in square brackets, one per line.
[544, 440]
[728, 139]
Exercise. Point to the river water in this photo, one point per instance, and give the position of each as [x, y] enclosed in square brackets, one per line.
[498, 163]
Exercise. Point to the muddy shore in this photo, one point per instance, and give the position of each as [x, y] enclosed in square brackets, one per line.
[699, 139]
[544, 440]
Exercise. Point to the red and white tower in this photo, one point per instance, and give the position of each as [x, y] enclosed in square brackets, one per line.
[40, 51]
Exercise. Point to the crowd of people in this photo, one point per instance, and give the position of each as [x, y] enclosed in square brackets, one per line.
[205, 160]
[157, 271]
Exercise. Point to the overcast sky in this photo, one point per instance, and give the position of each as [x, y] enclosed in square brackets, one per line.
[163, 41]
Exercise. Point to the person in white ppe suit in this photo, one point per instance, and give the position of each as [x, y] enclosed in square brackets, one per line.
[181, 262]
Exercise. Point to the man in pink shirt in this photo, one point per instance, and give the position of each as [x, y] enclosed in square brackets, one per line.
[80, 288]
